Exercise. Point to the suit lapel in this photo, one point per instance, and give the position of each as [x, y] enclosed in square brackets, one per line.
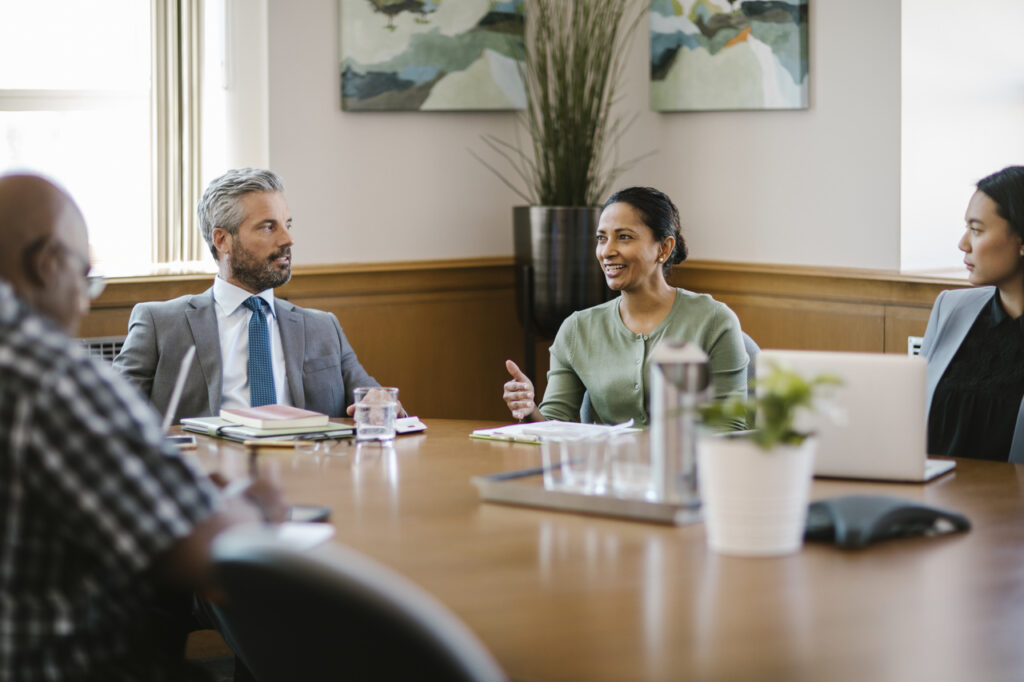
[293, 343]
[202, 320]
[953, 332]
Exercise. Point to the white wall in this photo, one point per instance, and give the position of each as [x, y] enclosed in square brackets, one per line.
[818, 187]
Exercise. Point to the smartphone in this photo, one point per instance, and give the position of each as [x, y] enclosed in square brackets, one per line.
[309, 513]
[183, 442]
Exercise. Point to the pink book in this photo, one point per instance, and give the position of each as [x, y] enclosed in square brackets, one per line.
[273, 416]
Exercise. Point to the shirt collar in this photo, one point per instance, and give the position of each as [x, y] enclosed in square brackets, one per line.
[997, 315]
[230, 297]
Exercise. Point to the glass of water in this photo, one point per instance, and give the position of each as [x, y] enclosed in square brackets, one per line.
[375, 413]
[630, 468]
[575, 463]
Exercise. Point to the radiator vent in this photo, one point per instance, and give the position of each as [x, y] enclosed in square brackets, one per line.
[104, 347]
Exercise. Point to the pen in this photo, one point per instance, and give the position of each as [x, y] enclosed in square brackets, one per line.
[523, 473]
[519, 473]
[253, 444]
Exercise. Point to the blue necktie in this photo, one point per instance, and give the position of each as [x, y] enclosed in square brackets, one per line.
[261, 369]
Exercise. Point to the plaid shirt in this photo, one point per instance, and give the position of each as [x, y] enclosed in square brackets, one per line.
[89, 495]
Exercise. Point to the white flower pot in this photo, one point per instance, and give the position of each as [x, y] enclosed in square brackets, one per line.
[755, 501]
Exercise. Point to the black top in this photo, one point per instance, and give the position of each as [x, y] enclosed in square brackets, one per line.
[974, 409]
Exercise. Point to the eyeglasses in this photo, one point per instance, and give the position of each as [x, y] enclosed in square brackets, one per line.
[94, 286]
[94, 283]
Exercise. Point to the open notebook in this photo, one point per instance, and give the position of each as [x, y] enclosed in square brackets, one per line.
[535, 432]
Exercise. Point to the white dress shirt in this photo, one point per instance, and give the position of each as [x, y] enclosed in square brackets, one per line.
[233, 325]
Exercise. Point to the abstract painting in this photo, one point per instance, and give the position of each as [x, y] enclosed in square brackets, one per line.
[713, 55]
[431, 55]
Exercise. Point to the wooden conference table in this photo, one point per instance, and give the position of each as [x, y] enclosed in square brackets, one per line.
[560, 596]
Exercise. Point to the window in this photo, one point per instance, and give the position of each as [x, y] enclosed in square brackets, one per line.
[962, 118]
[103, 98]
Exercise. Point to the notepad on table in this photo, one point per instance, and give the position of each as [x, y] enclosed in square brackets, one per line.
[273, 416]
[535, 432]
[409, 425]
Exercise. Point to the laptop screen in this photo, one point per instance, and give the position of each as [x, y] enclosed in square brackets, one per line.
[179, 384]
[875, 426]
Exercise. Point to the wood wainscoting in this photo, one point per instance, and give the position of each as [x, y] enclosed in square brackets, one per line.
[783, 306]
[441, 330]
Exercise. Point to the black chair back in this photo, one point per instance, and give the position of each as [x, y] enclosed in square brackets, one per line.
[331, 613]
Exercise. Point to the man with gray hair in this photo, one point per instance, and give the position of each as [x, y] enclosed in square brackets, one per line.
[251, 347]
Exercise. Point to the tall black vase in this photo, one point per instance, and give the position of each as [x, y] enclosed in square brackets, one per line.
[557, 271]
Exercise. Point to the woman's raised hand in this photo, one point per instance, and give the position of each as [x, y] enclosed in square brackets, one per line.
[519, 395]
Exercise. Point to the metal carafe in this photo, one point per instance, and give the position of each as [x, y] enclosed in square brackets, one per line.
[679, 383]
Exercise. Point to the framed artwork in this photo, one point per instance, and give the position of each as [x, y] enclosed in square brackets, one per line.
[431, 55]
[714, 55]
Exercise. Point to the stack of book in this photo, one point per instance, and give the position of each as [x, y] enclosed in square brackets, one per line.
[270, 422]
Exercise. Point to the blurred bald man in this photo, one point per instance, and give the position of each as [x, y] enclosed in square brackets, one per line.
[106, 529]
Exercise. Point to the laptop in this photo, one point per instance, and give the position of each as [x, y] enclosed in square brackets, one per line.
[172, 404]
[880, 428]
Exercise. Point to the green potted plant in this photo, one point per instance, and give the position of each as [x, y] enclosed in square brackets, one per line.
[755, 484]
[575, 51]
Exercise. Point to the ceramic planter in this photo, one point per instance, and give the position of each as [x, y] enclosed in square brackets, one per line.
[558, 270]
[755, 501]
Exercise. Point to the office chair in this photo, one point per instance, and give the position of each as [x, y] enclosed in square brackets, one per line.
[752, 350]
[331, 613]
[586, 409]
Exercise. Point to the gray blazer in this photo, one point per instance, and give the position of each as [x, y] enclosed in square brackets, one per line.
[952, 316]
[321, 367]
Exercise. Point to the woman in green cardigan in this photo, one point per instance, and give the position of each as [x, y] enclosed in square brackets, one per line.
[604, 352]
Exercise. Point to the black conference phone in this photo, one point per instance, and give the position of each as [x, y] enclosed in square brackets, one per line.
[855, 521]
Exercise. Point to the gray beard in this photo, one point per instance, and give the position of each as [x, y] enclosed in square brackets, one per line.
[255, 274]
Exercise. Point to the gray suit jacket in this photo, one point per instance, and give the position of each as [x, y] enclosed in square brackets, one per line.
[321, 367]
[952, 316]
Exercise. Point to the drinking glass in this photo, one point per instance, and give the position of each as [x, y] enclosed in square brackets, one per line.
[629, 468]
[575, 464]
[375, 413]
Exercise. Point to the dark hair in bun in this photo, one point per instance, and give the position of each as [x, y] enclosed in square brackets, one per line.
[659, 214]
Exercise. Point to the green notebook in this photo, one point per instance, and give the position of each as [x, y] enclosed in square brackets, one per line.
[222, 428]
